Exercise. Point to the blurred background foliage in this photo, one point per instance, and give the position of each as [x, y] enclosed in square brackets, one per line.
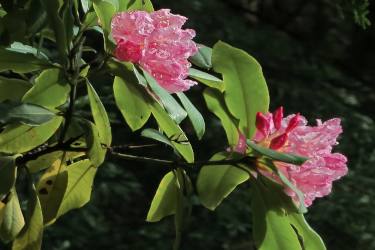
[318, 58]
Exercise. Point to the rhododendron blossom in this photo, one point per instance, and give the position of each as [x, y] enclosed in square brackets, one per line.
[157, 42]
[292, 135]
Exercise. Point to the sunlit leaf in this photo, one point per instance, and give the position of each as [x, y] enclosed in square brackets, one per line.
[216, 182]
[195, 116]
[173, 131]
[246, 91]
[105, 10]
[13, 220]
[22, 138]
[31, 236]
[216, 105]
[165, 200]
[100, 116]
[156, 135]
[207, 79]
[277, 156]
[96, 152]
[131, 102]
[174, 109]
[50, 89]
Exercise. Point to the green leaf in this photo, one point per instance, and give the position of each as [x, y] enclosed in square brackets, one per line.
[80, 181]
[28, 114]
[203, 58]
[51, 189]
[165, 200]
[207, 79]
[216, 182]
[173, 108]
[147, 6]
[31, 236]
[105, 9]
[96, 152]
[100, 116]
[56, 21]
[216, 105]
[26, 49]
[156, 135]
[21, 62]
[8, 174]
[131, 102]
[13, 220]
[173, 131]
[22, 138]
[50, 89]
[13, 89]
[277, 224]
[246, 90]
[277, 156]
[194, 115]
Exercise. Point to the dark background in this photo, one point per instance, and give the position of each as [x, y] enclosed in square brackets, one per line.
[317, 61]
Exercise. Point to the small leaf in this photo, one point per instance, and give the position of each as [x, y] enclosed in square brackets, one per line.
[50, 89]
[100, 116]
[277, 156]
[13, 220]
[246, 91]
[165, 200]
[156, 135]
[173, 131]
[173, 108]
[31, 236]
[131, 102]
[202, 59]
[216, 105]
[147, 6]
[13, 89]
[207, 79]
[195, 116]
[22, 138]
[8, 174]
[29, 114]
[216, 182]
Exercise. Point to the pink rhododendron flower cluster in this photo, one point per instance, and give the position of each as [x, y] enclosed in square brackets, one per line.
[292, 135]
[157, 42]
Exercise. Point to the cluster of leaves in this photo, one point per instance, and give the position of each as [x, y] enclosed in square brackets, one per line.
[44, 68]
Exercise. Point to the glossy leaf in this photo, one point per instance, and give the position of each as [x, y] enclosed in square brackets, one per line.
[13, 89]
[216, 182]
[173, 108]
[246, 91]
[50, 89]
[22, 138]
[277, 156]
[203, 58]
[13, 220]
[195, 116]
[31, 236]
[100, 116]
[28, 114]
[131, 102]
[165, 200]
[15, 61]
[173, 131]
[8, 174]
[216, 105]
[207, 79]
